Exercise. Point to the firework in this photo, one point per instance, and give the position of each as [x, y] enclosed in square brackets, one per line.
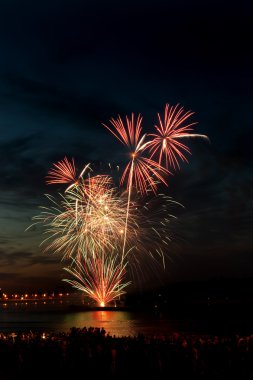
[100, 277]
[153, 233]
[103, 231]
[141, 172]
[64, 171]
[171, 128]
[89, 217]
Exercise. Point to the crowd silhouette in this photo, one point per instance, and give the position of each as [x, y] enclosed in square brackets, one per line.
[93, 353]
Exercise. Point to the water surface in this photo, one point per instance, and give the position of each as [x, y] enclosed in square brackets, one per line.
[53, 317]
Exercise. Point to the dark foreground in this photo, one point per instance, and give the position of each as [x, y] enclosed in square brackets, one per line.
[92, 353]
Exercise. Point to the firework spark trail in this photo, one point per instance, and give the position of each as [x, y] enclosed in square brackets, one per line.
[64, 171]
[142, 172]
[100, 277]
[173, 127]
[127, 214]
[147, 235]
[89, 217]
[154, 223]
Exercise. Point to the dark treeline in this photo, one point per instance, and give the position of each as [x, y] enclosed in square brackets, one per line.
[217, 290]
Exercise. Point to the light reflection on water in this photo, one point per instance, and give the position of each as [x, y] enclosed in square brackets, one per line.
[114, 322]
[54, 316]
[119, 323]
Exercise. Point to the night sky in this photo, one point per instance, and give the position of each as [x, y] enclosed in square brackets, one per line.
[68, 66]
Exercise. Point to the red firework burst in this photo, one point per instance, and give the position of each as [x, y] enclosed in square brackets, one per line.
[173, 127]
[141, 171]
[63, 171]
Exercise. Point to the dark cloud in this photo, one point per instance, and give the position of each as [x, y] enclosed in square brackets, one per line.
[19, 168]
[8, 276]
[12, 258]
[23, 258]
[55, 100]
[3, 240]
